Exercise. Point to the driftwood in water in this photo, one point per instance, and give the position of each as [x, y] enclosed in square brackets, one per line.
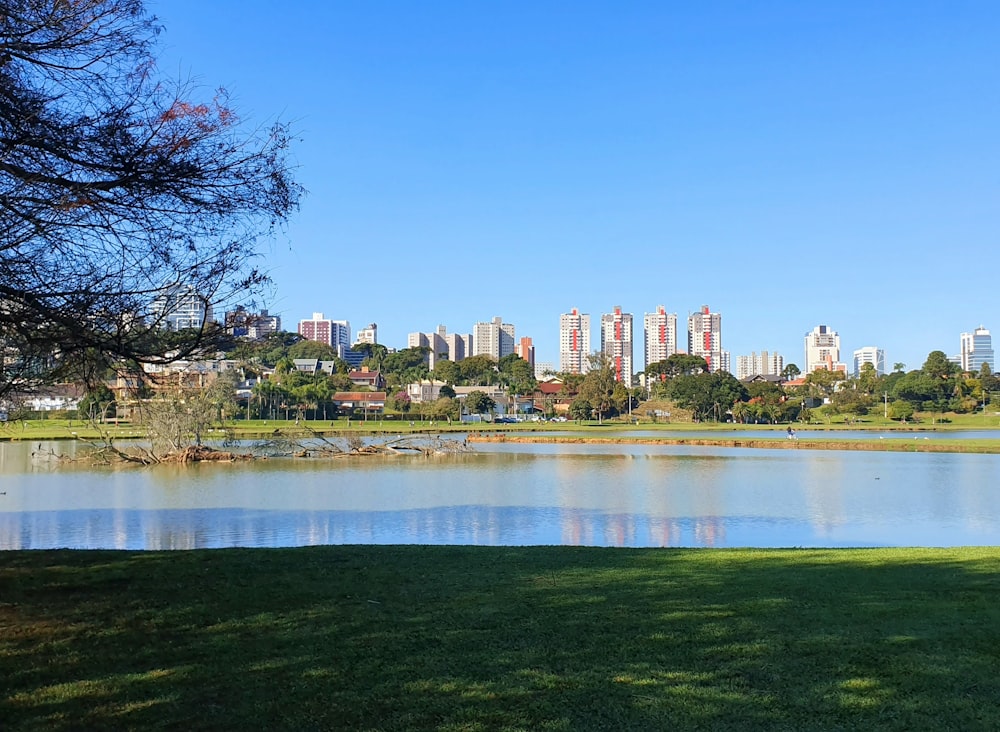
[309, 444]
[300, 444]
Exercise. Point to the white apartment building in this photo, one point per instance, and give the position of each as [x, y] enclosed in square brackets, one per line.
[616, 343]
[705, 339]
[759, 364]
[495, 338]
[869, 354]
[181, 308]
[368, 334]
[977, 349]
[574, 342]
[823, 350]
[659, 335]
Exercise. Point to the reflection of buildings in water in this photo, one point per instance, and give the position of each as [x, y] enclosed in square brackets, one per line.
[709, 531]
[576, 529]
[665, 532]
[822, 484]
[619, 530]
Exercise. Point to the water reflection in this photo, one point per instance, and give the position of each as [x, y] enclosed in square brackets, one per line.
[609, 495]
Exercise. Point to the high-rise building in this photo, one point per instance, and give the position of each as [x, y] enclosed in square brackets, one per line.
[977, 349]
[335, 333]
[368, 334]
[441, 345]
[759, 364]
[495, 338]
[660, 335]
[705, 339]
[526, 350]
[823, 350]
[574, 342]
[616, 343]
[181, 308]
[244, 324]
[869, 354]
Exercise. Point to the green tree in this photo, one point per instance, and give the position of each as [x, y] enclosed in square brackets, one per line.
[900, 409]
[478, 402]
[867, 381]
[447, 371]
[480, 370]
[598, 386]
[98, 404]
[677, 364]
[516, 374]
[312, 350]
[938, 366]
[707, 395]
[399, 401]
[121, 191]
[581, 408]
[790, 372]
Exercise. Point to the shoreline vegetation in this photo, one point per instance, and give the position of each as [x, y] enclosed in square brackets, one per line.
[515, 638]
[353, 434]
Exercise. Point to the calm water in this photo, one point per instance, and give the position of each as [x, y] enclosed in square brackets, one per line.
[509, 495]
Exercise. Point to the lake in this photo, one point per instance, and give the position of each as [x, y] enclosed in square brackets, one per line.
[508, 494]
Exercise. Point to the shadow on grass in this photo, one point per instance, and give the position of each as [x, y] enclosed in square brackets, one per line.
[462, 638]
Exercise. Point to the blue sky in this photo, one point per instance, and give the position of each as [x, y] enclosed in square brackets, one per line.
[788, 164]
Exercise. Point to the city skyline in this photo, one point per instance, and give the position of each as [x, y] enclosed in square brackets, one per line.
[788, 164]
[822, 346]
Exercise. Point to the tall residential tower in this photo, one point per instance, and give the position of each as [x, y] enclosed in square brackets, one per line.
[616, 343]
[660, 335]
[705, 339]
[574, 342]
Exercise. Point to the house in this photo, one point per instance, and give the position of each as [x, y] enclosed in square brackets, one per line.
[764, 379]
[425, 390]
[550, 395]
[364, 377]
[367, 402]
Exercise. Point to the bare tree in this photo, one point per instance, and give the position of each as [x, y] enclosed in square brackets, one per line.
[117, 190]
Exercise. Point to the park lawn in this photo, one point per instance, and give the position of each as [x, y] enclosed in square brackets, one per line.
[500, 638]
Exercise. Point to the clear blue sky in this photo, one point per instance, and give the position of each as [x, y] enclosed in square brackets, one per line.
[788, 164]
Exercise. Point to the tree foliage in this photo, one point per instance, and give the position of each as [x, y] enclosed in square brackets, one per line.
[707, 395]
[478, 402]
[117, 187]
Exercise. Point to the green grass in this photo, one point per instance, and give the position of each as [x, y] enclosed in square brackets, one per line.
[54, 429]
[462, 638]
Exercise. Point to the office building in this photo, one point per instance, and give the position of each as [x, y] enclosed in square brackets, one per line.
[616, 343]
[574, 342]
[823, 350]
[869, 354]
[977, 349]
[659, 335]
[705, 339]
[181, 308]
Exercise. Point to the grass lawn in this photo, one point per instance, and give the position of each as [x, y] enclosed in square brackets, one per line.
[483, 638]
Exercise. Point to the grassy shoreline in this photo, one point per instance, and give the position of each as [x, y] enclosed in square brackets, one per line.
[505, 638]
[814, 436]
[821, 443]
